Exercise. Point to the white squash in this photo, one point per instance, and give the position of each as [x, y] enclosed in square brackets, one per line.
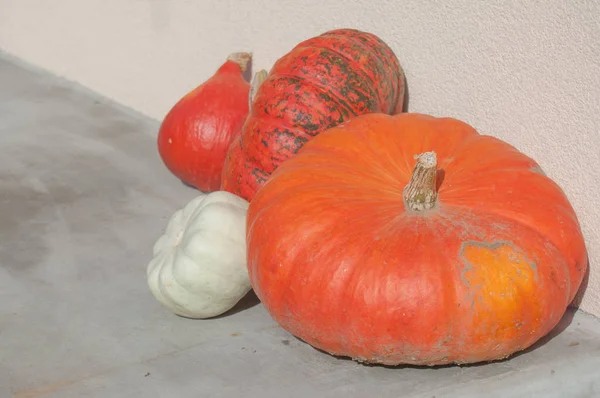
[199, 264]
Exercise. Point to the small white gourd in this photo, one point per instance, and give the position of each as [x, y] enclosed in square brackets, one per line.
[199, 264]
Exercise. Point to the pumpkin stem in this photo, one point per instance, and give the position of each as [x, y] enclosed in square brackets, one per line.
[420, 193]
[241, 59]
[257, 80]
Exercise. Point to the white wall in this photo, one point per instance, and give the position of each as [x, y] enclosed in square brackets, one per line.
[526, 71]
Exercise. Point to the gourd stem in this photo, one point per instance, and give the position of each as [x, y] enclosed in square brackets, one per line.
[420, 193]
[241, 59]
[257, 80]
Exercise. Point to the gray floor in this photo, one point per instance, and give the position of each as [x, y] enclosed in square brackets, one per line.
[83, 197]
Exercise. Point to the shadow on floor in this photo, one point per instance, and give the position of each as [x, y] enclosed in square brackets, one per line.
[247, 302]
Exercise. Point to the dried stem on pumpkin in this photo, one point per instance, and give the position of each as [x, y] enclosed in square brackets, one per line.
[241, 59]
[257, 80]
[420, 193]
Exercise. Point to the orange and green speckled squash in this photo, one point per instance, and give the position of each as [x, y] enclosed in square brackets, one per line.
[468, 253]
[321, 83]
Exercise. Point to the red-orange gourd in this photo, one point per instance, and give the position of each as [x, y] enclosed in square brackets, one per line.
[194, 136]
[468, 253]
[322, 82]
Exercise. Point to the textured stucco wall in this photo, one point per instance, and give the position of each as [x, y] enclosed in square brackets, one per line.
[526, 71]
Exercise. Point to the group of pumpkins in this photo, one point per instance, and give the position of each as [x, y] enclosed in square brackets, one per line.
[366, 231]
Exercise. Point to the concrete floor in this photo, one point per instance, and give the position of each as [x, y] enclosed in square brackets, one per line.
[83, 197]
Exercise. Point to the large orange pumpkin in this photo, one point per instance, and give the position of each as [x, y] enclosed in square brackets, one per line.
[468, 253]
